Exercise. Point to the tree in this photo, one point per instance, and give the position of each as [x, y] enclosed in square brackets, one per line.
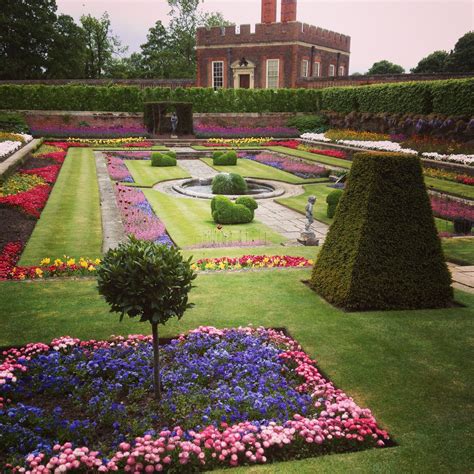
[385, 67]
[67, 53]
[433, 63]
[140, 278]
[26, 33]
[125, 68]
[461, 58]
[101, 44]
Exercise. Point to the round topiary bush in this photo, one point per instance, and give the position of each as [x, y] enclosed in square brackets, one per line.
[162, 159]
[221, 158]
[332, 200]
[229, 183]
[224, 211]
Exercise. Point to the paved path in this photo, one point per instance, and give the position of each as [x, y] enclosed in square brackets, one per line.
[197, 168]
[463, 277]
[112, 228]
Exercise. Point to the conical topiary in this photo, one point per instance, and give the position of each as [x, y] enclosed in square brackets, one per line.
[383, 250]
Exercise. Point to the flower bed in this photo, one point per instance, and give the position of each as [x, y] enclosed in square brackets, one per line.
[391, 146]
[296, 145]
[295, 167]
[117, 169]
[450, 208]
[449, 176]
[251, 261]
[138, 217]
[237, 142]
[209, 131]
[66, 131]
[110, 142]
[12, 142]
[230, 397]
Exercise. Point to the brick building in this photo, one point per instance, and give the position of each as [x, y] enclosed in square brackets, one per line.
[275, 55]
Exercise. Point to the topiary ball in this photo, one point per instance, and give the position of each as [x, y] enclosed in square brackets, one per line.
[229, 183]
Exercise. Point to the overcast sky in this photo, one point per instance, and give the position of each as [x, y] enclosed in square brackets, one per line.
[402, 31]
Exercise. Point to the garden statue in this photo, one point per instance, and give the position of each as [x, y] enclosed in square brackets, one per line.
[309, 212]
[308, 237]
[174, 124]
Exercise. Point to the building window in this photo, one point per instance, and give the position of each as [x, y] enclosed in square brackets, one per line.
[305, 68]
[332, 70]
[273, 73]
[341, 70]
[317, 69]
[217, 74]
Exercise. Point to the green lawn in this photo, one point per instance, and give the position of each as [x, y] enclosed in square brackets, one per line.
[146, 175]
[459, 250]
[253, 169]
[189, 222]
[411, 369]
[450, 187]
[298, 203]
[70, 223]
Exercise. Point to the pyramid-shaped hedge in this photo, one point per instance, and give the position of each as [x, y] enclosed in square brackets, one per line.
[382, 250]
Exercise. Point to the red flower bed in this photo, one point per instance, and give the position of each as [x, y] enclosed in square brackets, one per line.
[295, 145]
[8, 258]
[31, 202]
[333, 153]
[463, 179]
[287, 143]
[48, 173]
[144, 144]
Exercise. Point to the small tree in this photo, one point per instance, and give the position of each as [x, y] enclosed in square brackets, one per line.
[385, 67]
[152, 281]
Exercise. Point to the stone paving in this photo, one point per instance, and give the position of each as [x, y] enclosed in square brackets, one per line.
[112, 228]
[463, 277]
[197, 168]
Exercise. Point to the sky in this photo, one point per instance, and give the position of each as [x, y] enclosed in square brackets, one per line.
[401, 31]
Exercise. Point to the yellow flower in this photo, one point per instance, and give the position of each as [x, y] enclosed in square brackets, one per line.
[71, 262]
[91, 268]
[97, 261]
[83, 264]
[39, 272]
[45, 261]
[21, 276]
[58, 262]
[310, 261]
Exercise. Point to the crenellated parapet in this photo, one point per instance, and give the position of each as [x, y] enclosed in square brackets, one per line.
[272, 32]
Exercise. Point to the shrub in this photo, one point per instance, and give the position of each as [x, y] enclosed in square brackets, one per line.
[12, 122]
[454, 97]
[225, 158]
[229, 183]
[309, 123]
[332, 200]
[162, 159]
[141, 278]
[224, 211]
[382, 250]
[340, 99]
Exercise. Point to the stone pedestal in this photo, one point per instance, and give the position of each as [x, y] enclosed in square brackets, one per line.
[309, 239]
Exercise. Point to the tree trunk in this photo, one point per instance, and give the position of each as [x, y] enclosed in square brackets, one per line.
[156, 362]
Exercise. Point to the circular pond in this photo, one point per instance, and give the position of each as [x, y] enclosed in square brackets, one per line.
[202, 188]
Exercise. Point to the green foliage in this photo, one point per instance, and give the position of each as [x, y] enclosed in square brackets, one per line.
[340, 99]
[228, 158]
[382, 250]
[385, 67]
[12, 122]
[157, 117]
[141, 278]
[229, 183]
[454, 97]
[461, 58]
[162, 159]
[433, 63]
[309, 123]
[332, 200]
[224, 211]
[407, 97]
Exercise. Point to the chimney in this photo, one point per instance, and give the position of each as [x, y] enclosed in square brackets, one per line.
[269, 11]
[288, 10]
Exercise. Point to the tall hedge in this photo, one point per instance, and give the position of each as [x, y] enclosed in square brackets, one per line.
[454, 97]
[382, 251]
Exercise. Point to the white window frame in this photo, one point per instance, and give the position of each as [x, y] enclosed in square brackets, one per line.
[341, 71]
[332, 70]
[277, 77]
[317, 68]
[304, 68]
[214, 76]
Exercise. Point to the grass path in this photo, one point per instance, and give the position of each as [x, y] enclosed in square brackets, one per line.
[146, 175]
[189, 222]
[450, 187]
[70, 223]
[459, 250]
[254, 169]
[410, 368]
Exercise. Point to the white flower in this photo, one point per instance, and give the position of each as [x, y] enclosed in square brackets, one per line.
[463, 159]
[315, 137]
[384, 145]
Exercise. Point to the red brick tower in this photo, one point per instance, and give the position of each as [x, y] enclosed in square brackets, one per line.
[288, 10]
[269, 11]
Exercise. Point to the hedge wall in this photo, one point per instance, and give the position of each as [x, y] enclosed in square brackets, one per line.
[382, 250]
[451, 97]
